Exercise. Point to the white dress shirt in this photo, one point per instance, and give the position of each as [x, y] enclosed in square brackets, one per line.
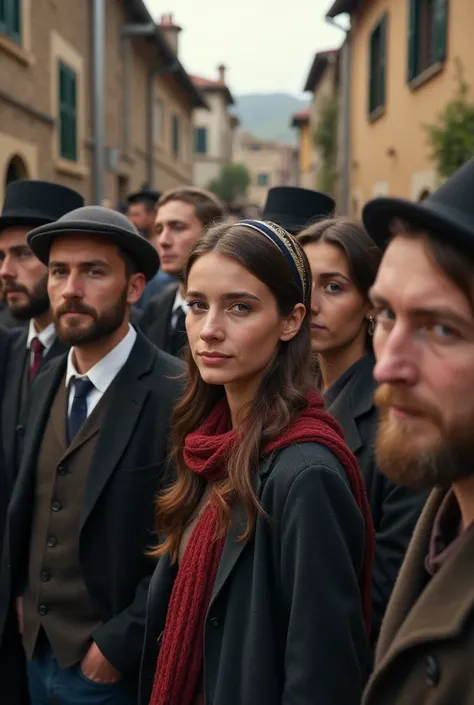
[103, 373]
[46, 337]
[179, 302]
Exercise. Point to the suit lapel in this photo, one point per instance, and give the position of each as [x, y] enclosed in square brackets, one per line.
[160, 332]
[127, 397]
[14, 371]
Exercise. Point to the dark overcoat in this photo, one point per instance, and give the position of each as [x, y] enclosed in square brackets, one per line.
[395, 508]
[425, 653]
[118, 514]
[156, 319]
[285, 623]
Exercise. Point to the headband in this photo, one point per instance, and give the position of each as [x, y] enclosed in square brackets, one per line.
[287, 246]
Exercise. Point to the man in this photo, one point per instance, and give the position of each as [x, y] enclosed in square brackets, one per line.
[82, 513]
[183, 215]
[24, 283]
[293, 208]
[424, 346]
[141, 211]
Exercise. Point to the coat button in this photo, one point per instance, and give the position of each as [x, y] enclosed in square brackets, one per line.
[45, 576]
[52, 541]
[20, 429]
[432, 670]
[42, 610]
[56, 506]
[62, 470]
[214, 622]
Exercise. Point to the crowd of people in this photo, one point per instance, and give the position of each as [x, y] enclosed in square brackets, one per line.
[236, 455]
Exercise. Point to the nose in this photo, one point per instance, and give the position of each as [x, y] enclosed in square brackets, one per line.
[73, 288]
[315, 302]
[396, 356]
[7, 269]
[212, 328]
[164, 238]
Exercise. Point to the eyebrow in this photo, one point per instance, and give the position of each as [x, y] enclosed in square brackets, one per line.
[89, 263]
[422, 311]
[226, 297]
[331, 275]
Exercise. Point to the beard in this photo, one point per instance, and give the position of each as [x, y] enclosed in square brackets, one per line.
[406, 456]
[102, 326]
[38, 299]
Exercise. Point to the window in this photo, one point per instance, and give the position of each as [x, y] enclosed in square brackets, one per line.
[200, 140]
[175, 135]
[159, 121]
[426, 35]
[262, 179]
[10, 19]
[377, 66]
[67, 112]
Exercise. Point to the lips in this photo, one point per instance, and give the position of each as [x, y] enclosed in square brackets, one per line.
[214, 355]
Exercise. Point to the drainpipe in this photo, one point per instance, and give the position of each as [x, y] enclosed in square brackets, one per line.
[346, 104]
[152, 76]
[98, 97]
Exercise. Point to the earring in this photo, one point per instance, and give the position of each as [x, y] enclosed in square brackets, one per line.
[371, 327]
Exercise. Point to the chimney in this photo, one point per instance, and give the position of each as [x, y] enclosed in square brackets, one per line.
[221, 69]
[171, 31]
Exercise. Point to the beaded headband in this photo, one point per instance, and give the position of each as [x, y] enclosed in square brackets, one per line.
[287, 246]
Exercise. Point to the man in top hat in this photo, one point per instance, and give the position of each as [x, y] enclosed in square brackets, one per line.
[424, 347]
[141, 211]
[81, 516]
[294, 208]
[183, 215]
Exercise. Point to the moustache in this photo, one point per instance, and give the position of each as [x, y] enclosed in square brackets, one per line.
[387, 396]
[12, 288]
[74, 307]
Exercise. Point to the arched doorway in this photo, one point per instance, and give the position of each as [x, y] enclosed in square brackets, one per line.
[424, 194]
[16, 169]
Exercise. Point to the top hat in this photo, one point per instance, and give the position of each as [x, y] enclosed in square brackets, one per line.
[448, 213]
[145, 194]
[100, 222]
[31, 202]
[293, 208]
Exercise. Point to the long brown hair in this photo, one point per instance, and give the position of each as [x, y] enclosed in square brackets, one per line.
[281, 396]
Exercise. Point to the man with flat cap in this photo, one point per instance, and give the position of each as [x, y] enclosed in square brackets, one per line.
[424, 347]
[294, 208]
[81, 516]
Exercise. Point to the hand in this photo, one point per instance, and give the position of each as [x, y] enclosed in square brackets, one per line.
[96, 668]
[19, 613]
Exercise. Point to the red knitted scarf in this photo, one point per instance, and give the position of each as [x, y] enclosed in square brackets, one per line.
[206, 451]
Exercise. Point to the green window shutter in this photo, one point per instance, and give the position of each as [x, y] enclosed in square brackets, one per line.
[175, 135]
[200, 145]
[413, 39]
[10, 19]
[67, 112]
[440, 21]
[372, 73]
[382, 63]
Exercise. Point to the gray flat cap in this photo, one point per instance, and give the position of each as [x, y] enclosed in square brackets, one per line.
[100, 222]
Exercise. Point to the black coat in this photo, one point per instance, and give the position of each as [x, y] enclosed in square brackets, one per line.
[118, 515]
[156, 319]
[395, 508]
[284, 624]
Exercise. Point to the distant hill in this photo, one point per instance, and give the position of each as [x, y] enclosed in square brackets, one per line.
[268, 115]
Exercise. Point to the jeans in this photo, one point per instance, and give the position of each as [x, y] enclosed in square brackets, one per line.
[51, 685]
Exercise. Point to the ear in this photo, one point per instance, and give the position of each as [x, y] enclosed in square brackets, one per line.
[291, 325]
[136, 287]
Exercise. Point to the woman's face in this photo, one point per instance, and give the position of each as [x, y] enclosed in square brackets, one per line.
[233, 324]
[339, 312]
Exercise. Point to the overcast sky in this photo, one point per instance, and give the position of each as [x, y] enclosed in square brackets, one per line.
[265, 48]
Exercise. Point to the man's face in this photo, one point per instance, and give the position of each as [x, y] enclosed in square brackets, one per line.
[24, 277]
[177, 230]
[424, 346]
[89, 289]
[143, 218]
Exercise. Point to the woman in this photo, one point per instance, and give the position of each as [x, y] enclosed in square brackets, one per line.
[262, 591]
[344, 262]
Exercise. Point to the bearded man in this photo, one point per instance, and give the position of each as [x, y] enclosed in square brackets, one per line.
[424, 346]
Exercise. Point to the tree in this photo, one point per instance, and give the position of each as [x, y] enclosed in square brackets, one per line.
[325, 139]
[232, 183]
[452, 137]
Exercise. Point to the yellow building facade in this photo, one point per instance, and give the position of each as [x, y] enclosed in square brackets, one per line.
[302, 122]
[404, 56]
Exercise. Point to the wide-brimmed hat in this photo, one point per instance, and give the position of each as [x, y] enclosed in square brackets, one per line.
[100, 222]
[294, 208]
[447, 213]
[30, 202]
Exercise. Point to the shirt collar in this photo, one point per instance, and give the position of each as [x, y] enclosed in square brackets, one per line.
[104, 372]
[179, 302]
[46, 337]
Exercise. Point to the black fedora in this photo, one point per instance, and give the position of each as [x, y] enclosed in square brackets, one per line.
[30, 202]
[100, 222]
[447, 213]
[145, 195]
[294, 208]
